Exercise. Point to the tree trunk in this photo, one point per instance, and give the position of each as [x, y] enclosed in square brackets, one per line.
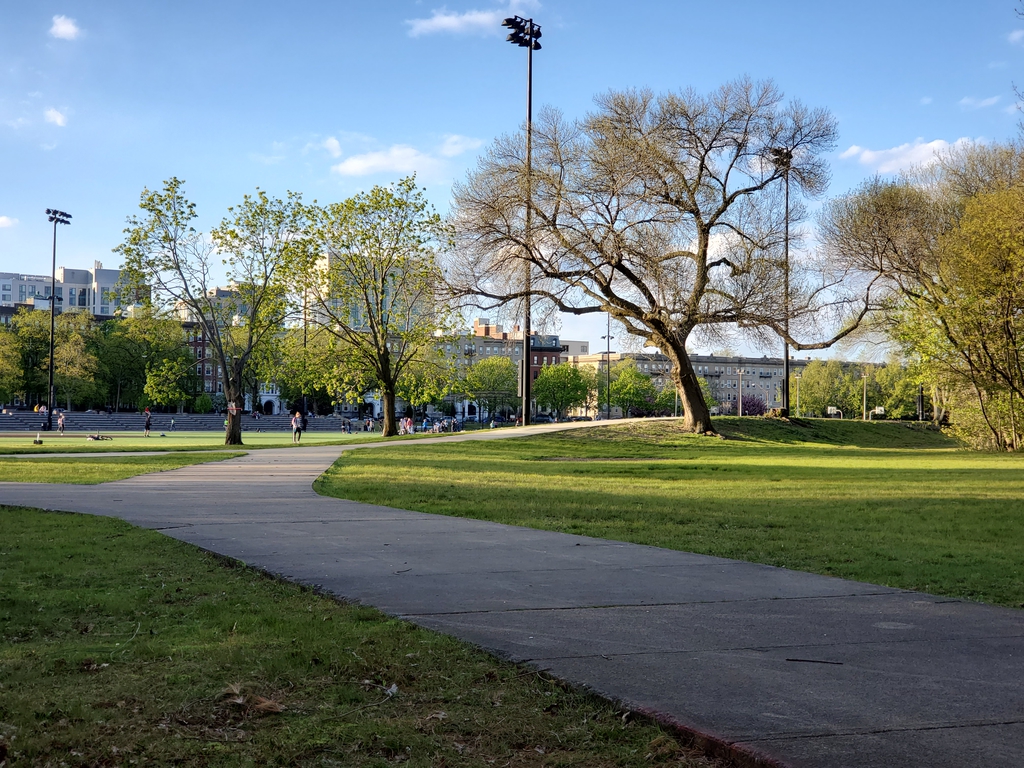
[390, 424]
[233, 430]
[696, 416]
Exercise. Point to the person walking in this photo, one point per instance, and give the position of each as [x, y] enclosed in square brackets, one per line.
[296, 427]
[172, 423]
[149, 423]
[60, 422]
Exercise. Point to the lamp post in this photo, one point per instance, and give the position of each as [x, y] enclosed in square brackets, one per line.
[57, 217]
[798, 395]
[739, 401]
[608, 371]
[864, 376]
[525, 34]
[783, 159]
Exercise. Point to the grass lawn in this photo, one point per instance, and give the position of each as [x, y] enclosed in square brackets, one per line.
[883, 503]
[121, 646]
[89, 470]
[76, 442]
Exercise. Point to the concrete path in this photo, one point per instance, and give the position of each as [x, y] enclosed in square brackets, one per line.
[785, 668]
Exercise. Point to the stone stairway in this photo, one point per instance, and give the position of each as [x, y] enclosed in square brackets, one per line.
[75, 421]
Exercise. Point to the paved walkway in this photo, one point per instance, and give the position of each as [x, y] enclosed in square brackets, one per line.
[784, 667]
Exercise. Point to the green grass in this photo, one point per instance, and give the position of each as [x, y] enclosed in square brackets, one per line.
[76, 442]
[883, 503]
[89, 470]
[121, 646]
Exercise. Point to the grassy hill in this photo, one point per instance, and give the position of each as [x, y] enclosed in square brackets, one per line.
[887, 503]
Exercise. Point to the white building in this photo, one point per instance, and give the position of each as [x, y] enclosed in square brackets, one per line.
[77, 289]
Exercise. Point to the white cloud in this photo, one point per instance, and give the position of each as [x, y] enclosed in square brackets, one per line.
[895, 159]
[926, 100]
[7, 221]
[332, 145]
[1016, 36]
[400, 158]
[64, 28]
[55, 117]
[468, 22]
[969, 102]
[18, 122]
[455, 145]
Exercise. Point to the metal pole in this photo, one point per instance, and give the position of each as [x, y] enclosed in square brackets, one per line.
[785, 341]
[865, 413]
[798, 396]
[608, 371]
[53, 304]
[527, 362]
[739, 400]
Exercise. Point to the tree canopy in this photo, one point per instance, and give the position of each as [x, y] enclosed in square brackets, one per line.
[664, 212]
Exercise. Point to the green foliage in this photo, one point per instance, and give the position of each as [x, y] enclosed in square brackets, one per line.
[947, 244]
[493, 383]
[564, 387]
[632, 389]
[203, 404]
[370, 271]
[10, 364]
[232, 284]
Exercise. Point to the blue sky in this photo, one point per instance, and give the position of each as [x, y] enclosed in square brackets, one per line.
[100, 99]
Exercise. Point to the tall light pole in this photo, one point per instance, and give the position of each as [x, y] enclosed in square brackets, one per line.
[783, 159]
[57, 217]
[739, 402]
[864, 376]
[525, 34]
[608, 371]
[798, 394]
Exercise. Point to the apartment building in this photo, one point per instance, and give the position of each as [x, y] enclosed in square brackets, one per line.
[729, 378]
[93, 290]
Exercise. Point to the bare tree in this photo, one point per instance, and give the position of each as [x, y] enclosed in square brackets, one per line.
[665, 212]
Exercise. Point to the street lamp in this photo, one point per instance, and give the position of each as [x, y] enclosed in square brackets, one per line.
[57, 217]
[739, 401]
[865, 377]
[783, 160]
[608, 371]
[525, 34]
[798, 394]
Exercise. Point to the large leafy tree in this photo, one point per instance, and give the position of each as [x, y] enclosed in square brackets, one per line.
[492, 382]
[371, 277]
[665, 212]
[10, 364]
[75, 364]
[32, 331]
[563, 387]
[230, 283]
[948, 244]
[632, 389]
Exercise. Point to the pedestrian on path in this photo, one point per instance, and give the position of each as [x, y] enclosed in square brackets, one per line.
[296, 427]
[172, 423]
[149, 423]
[60, 423]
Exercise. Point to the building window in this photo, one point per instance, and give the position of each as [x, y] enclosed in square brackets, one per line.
[534, 359]
[21, 293]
